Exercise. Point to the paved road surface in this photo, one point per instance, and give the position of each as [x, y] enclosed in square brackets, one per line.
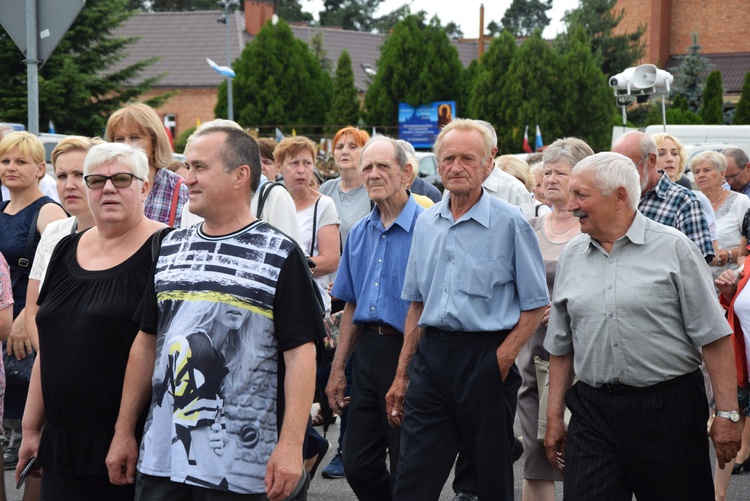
[323, 489]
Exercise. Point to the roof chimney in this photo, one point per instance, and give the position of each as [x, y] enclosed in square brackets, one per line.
[257, 12]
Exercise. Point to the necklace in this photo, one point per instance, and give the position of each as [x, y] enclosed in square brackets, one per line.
[721, 195]
[552, 229]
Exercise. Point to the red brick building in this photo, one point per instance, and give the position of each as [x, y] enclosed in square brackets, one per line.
[721, 27]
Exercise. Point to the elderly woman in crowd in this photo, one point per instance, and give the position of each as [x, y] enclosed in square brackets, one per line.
[554, 230]
[138, 124]
[316, 213]
[348, 190]
[23, 219]
[74, 396]
[520, 170]
[672, 158]
[67, 160]
[537, 170]
[729, 206]
[735, 297]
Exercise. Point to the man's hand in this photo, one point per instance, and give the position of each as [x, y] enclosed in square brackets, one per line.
[545, 318]
[335, 391]
[554, 443]
[506, 357]
[727, 438]
[727, 283]
[394, 400]
[283, 471]
[121, 459]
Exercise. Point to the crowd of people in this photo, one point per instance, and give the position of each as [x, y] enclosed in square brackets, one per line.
[168, 326]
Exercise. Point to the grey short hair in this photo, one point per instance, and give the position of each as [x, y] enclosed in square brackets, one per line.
[466, 124]
[716, 159]
[569, 149]
[134, 159]
[399, 153]
[739, 156]
[610, 172]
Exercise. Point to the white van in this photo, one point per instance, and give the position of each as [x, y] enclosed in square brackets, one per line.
[737, 135]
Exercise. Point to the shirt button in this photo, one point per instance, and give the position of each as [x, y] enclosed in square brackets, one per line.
[450, 259]
[376, 284]
[380, 260]
[609, 287]
[610, 315]
[611, 261]
[382, 236]
[445, 289]
[372, 308]
[615, 345]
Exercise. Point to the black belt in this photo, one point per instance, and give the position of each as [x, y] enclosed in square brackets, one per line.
[467, 335]
[623, 389]
[383, 329]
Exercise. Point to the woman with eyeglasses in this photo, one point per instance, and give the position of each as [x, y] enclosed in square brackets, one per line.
[138, 125]
[87, 304]
[23, 219]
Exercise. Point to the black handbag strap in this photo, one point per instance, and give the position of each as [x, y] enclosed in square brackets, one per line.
[315, 227]
[24, 262]
[263, 196]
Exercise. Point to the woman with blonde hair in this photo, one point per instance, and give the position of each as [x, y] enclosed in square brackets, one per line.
[520, 170]
[138, 124]
[671, 157]
[23, 219]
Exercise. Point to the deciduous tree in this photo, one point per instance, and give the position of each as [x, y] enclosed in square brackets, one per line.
[523, 17]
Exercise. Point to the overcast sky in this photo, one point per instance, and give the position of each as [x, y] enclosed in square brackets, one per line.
[465, 13]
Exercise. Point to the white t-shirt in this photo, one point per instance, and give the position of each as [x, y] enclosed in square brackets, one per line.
[326, 215]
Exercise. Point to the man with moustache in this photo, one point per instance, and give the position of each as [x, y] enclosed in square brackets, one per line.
[633, 308]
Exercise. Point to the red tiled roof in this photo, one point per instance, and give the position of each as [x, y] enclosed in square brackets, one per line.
[733, 66]
[183, 40]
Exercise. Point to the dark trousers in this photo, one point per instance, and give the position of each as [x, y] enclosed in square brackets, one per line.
[61, 487]
[368, 434]
[464, 479]
[151, 488]
[653, 445]
[456, 397]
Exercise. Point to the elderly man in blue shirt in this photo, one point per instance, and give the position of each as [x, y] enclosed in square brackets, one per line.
[370, 278]
[476, 282]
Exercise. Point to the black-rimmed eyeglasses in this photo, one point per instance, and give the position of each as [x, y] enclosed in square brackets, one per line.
[119, 180]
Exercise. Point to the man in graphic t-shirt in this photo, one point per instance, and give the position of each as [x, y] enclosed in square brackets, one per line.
[229, 296]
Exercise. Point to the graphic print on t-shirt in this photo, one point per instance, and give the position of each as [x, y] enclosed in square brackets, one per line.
[212, 421]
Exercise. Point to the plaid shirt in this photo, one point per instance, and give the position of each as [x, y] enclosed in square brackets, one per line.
[672, 205]
[159, 199]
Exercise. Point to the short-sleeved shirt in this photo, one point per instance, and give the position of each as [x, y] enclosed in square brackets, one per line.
[6, 291]
[53, 233]
[478, 273]
[324, 213]
[159, 199]
[223, 309]
[670, 204]
[373, 265]
[638, 314]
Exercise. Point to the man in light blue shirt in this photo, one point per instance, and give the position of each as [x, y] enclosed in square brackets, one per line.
[477, 287]
[370, 279]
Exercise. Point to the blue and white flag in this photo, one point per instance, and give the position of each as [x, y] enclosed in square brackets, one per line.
[221, 70]
[51, 127]
[279, 135]
[539, 143]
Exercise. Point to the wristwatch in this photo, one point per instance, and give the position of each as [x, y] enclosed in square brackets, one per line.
[733, 416]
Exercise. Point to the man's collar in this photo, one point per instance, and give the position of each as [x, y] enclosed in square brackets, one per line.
[480, 211]
[405, 217]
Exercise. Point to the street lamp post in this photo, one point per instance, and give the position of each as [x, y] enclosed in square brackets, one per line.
[227, 5]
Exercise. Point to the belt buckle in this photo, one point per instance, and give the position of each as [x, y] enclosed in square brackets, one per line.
[23, 262]
[380, 330]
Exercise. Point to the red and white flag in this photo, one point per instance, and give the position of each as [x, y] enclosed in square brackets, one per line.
[526, 145]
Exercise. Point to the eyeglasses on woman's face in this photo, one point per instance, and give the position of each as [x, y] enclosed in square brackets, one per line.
[119, 180]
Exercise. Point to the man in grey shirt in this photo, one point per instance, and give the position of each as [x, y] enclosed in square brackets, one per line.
[633, 307]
